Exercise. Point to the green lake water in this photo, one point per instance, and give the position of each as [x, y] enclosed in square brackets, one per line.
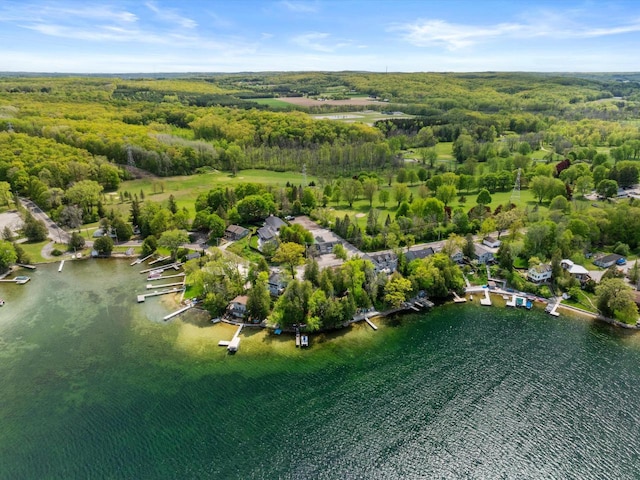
[94, 385]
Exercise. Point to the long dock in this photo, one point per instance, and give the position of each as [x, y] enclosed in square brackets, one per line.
[144, 296]
[158, 260]
[61, 265]
[553, 310]
[140, 260]
[177, 312]
[166, 285]
[24, 265]
[233, 344]
[166, 277]
[371, 324]
[487, 299]
[175, 266]
[457, 298]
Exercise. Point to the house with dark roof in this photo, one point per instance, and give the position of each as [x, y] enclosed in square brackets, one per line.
[276, 284]
[457, 256]
[274, 222]
[235, 232]
[481, 254]
[606, 261]
[266, 235]
[421, 253]
[383, 262]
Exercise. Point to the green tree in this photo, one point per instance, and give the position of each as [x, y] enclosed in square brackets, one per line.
[607, 188]
[173, 240]
[615, 299]
[369, 187]
[396, 290]
[258, 298]
[290, 254]
[484, 197]
[446, 193]
[35, 230]
[76, 241]
[5, 193]
[402, 176]
[383, 197]
[149, 245]
[351, 190]
[400, 193]
[103, 245]
[8, 255]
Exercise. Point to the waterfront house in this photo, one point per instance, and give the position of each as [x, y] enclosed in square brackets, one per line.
[481, 254]
[539, 273]
[491, 242]
[275, 223]
[576, 271]
[457, 256]
[606, 261]
[383, 262]
[266, 235]
[235, 232]
[276, 284]
[421, 253]
[238, 306]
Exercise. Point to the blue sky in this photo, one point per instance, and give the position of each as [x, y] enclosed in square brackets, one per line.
[124, 36]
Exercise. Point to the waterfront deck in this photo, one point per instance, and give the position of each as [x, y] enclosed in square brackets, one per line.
[233, 344]
[371, 324]
[61, 266]
[140, 260]
[175, 266]
[457, 298]
[486, 301]
[177, 312]
[20, 280]
[144, 296]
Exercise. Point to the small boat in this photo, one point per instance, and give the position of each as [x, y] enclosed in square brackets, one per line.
[297, 339]
[1, 302]
[22, 279]
[154, 275]
[304, 341]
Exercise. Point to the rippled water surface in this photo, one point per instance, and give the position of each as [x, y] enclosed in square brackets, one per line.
[94, 385]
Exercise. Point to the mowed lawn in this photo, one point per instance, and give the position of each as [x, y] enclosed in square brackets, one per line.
[185, 189]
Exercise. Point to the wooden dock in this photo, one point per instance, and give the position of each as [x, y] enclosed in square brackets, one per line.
[175, 266]
[552, 310]
[20, 280]
[177, 312]
[166, 285]
[457, 298]
[61, 265]
[166, 277]
[158, 260]
[371, 324]
[233, 344]
[144, 296]
[486, 301]
[140, 260]
[24, 265]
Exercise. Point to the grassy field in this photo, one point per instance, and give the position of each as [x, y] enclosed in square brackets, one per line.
[365, 116]
[186, 189]
[272, 103]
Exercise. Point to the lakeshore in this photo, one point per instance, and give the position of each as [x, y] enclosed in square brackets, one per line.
[96, 383]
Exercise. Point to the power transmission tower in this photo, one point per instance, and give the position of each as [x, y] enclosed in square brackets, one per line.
[515, 194]
[130, 161]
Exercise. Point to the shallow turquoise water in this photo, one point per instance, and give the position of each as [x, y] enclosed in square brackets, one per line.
[94, 385]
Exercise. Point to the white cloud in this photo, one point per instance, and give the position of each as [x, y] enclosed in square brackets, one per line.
[171, 16]
[424, 33]
[320, 42]
[300, 7]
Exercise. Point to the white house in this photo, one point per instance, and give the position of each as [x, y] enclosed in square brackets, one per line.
[238, 306]
[491, 242]
[575, 270]
[539, 273]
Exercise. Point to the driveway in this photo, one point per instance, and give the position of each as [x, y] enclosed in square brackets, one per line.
[55, 232]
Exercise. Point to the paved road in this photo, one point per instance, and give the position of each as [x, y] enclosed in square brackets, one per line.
[55, 232]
